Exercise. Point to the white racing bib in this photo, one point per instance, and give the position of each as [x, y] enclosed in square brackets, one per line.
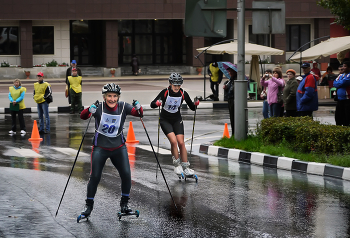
[109, 124]
[172, 104]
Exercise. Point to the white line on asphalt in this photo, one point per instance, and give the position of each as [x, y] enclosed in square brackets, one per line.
[70, 151]
[27, 153]
[149, 148]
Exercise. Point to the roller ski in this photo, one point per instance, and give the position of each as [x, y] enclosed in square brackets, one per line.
[187, 172]
[125, 210]
[178, 168]
[88, 209]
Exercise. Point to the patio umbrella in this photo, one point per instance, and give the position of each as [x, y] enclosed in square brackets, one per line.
[325, 48]
[250, 49]
[254, 72]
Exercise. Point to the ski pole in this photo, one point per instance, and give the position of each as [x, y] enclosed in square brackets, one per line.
[194, 122]
[158, 139]
[76, 157]
[160, 168]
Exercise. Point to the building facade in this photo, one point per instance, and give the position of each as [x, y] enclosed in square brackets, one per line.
[106, 33]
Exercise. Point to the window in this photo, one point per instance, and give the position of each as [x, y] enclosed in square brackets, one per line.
[43, 40]
[9, 41]
[259, 39]
[297, 36]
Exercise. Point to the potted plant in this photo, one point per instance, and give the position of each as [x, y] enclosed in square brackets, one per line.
[27, 73]
[112, 71]
[199, 70]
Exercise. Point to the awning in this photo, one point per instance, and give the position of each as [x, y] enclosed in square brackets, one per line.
[324, 49]
[250, 49]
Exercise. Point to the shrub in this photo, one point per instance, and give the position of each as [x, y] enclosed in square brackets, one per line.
[53, 63]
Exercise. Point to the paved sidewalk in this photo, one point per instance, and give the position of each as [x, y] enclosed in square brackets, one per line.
[143, 88]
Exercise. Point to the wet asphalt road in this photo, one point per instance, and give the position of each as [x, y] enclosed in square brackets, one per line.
[230, 199]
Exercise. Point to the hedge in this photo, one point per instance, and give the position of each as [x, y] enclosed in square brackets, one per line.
[305, 135]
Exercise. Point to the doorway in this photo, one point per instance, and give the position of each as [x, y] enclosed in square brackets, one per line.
[87, 42]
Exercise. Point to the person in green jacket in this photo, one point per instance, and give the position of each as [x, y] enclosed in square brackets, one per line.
[16, 96]
[289, 94]
[74, 85]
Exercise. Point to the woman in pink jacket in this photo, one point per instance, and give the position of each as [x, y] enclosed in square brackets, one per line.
[274, 85]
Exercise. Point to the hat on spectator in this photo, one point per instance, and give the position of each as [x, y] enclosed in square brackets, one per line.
[74, 61]
[74, 69]
[40, 74]
[305, 65]
[292, 71]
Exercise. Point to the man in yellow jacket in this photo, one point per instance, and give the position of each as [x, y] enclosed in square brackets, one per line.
[74, 85]
[43, 96]
[215, 79]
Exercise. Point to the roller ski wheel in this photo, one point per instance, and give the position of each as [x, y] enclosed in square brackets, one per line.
[136, 213]
[181, 176]
[81, 217]
[191, 176]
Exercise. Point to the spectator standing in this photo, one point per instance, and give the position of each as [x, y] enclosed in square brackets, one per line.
[263, 95]
[327, 76]
[342, 83]
[134, 64]
[75, 92]
[70, 73]
[316, 70]
[307, 99]
[275, 84]
[215, 79]
[289, 94]
[43, 96]
[16, 96]
[230, 87]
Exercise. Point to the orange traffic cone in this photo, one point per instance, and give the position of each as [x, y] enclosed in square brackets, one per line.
[35, 133]
[131, 135]
[226, 133]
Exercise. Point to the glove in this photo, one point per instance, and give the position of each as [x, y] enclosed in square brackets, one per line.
[299, 78]
[196, 103]
[158, 103]
[136, 105]
[93, 108]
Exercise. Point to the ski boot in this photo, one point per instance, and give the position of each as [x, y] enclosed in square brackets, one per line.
[124, 208]
[178, 168]
[188, 173]
[89, 206]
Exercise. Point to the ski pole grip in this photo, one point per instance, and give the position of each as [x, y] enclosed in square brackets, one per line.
[96, 103]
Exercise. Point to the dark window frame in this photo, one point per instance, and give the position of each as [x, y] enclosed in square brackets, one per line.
[42, 50]
[17, 52]
[288, 39]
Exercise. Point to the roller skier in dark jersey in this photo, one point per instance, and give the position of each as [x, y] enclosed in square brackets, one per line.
[171, 122]
[109, 142]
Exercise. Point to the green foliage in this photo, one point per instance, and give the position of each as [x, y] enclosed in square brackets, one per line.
[297, 137]
[5, 64]
[53, 63]
[339, 8]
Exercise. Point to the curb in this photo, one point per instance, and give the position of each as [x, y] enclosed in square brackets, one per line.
[276, 162]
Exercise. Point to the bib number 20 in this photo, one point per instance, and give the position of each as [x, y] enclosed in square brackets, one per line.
[108, 129]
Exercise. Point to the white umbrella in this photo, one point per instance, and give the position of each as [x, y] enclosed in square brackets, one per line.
[250, 49]
[325, 48]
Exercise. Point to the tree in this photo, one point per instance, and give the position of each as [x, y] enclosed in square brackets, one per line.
[339, 8]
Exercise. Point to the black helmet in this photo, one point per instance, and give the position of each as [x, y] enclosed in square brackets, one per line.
[175, 79]
[111, 87]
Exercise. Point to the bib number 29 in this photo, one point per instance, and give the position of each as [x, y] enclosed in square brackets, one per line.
[108, 129]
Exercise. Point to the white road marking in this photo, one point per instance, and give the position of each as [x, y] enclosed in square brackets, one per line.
[70, 151]
[27, 153]
[149, 148]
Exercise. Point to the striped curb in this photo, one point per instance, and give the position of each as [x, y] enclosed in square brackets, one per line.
[270, 161]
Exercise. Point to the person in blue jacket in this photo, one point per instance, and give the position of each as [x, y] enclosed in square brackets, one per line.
[342, 83]
[307, 98]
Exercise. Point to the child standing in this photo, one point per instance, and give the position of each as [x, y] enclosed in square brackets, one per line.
[74, 85]
[16, 96]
